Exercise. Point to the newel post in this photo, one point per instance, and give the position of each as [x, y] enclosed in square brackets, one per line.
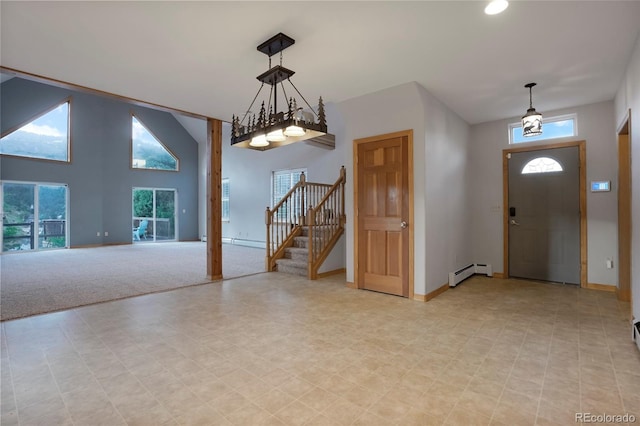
[310, 241]
[267, 220]
[343, 176]
[303, 190]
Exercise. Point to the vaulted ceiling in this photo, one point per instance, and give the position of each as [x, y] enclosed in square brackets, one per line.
[201, 57]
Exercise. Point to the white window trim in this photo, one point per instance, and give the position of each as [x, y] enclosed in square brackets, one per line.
[545, 121]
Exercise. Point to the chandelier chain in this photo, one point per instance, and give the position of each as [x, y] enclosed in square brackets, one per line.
[305, 101]
[246, 114]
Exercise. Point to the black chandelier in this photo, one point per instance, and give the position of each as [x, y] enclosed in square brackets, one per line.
[271, 128]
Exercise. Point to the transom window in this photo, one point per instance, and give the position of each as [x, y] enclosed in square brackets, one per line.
[147, 151]
[44, 137]
[553, 127]
[541, 165]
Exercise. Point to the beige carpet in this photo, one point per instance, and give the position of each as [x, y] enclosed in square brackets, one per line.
[47, 281]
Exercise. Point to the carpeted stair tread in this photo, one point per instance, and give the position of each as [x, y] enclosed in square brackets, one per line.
[292, 263]
[297, 253]
[292, 266]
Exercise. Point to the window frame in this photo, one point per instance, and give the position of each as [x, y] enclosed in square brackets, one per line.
[166, 148]
[546, 122]
[290, 172]
[284, 171]
[66, 100]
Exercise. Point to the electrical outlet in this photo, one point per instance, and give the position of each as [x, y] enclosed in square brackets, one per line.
[609, 264]
[98, 234]
[106, 234]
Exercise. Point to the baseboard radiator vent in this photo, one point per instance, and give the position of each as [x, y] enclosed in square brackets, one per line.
[243, 242]
[462, 274]
[635, 332]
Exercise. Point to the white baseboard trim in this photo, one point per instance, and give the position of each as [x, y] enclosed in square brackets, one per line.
[246, 243]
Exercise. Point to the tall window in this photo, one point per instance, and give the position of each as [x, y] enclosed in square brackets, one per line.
[45, 137]
[553, 127]
[147, 150]
[283, 181]
[225, 199]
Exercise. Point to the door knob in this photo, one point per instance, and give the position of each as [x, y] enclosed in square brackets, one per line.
[403, 224]
[514, 222]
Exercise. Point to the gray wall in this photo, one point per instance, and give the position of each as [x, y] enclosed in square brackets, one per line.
[596, 127]
[100, 178]
[628, 97]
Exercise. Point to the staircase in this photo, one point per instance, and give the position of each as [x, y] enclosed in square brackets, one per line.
[299, 239]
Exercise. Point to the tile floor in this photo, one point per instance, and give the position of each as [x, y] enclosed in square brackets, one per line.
[271, 349]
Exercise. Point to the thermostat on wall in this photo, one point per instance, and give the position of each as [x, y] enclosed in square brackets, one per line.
[600, 186]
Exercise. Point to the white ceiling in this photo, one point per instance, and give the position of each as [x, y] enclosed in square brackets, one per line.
[201, 57]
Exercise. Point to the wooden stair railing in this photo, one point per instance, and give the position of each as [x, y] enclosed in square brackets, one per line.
[285, 220]
[325, 221]
[326, 224]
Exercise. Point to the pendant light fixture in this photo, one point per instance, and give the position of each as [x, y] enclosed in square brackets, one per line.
[532, 120]
[271, 128]
[496, 6]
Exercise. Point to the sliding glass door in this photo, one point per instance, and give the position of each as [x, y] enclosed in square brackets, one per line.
[34, 216]
[154, 214]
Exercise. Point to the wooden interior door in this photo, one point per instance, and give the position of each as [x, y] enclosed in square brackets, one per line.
[383, 214]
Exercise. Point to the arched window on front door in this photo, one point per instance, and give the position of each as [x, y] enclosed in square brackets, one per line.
[541, 165]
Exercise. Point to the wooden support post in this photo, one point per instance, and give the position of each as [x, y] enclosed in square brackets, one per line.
[214, 199]
[267, 220]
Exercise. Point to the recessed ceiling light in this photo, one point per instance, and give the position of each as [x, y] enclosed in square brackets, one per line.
[496, 6]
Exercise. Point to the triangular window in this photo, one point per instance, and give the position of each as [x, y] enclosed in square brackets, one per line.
[147, 151]
[45, 137]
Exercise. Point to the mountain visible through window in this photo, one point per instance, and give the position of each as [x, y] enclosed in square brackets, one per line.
[45, 137]
[147, 151]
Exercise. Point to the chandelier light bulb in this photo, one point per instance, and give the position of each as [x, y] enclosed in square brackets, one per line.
[276, 136]
[259, 141]
[294, 131]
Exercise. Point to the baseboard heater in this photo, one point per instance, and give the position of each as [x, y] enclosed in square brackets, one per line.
[635, 332]
[462, 274]
[243, 242]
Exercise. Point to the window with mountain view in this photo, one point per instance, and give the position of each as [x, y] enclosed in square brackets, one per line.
[147, 150]
[45, 137]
